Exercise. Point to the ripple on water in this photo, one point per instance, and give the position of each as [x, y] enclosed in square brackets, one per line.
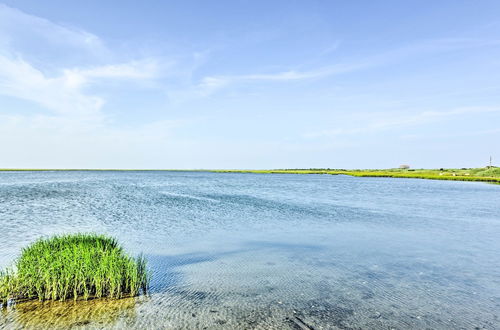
[269, 251]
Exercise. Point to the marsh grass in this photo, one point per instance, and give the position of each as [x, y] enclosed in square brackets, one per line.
[73, 267]
[491, 175]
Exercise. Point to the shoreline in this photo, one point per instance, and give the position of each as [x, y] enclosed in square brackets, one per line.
[375, 174]
[464, 174]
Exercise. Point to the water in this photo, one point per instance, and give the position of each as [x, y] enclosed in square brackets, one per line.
[270, 251]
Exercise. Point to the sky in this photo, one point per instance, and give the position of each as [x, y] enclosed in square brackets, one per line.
[249, 84]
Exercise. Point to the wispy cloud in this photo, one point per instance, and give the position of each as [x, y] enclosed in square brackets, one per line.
[134, 70]
[21, 80]
[71, 114]
[64, 93]
[450, 135]
[210, 84]
[391, 122]
[18, 29]
[55, 85]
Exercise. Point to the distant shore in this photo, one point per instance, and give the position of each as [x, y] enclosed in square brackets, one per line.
[483, 174]
[487, 174]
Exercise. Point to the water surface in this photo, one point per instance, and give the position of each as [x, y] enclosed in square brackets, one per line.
[230, 250]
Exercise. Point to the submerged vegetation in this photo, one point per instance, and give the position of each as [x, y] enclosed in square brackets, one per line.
[77, 266]
[486, 174]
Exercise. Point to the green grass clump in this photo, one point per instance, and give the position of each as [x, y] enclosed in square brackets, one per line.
[73, 266]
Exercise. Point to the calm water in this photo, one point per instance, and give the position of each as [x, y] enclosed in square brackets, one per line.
[270, 251]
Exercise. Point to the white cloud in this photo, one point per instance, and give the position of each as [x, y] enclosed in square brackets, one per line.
[67, 71]
[135, 70]
[71, 129]
[64, 93]
[211, 84]
[21, 80]
[450, 135]
[393, 122]
[45, 78]
[18, 29]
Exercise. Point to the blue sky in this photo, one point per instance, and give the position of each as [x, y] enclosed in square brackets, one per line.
[249, 84]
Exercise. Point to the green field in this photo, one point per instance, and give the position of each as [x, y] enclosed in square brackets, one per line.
[491, 174]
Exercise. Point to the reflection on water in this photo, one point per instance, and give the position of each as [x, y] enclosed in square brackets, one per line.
[57, 314]
[270, 251]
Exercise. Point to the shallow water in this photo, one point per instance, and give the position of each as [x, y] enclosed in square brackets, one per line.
[267, 251]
